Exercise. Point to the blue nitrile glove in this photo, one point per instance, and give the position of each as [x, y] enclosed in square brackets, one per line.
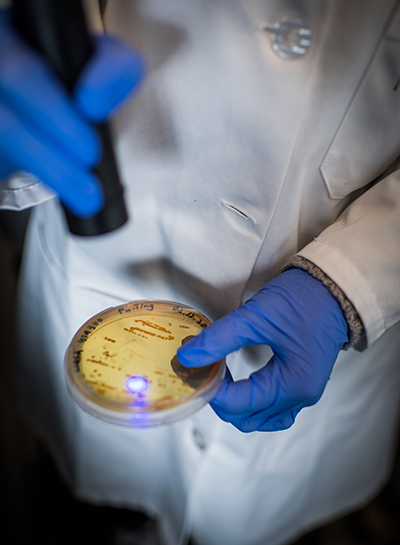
[48, 133]
[302, 322]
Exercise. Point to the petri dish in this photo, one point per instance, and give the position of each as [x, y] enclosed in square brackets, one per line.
[121, 365]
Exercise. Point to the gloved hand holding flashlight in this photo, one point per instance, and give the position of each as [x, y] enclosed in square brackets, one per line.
[47, 132]
[295, 315]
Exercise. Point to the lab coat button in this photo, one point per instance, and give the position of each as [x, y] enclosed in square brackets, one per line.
[291, 37]
[199, 439]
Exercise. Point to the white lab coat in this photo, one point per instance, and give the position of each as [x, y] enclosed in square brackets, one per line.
[233, 160]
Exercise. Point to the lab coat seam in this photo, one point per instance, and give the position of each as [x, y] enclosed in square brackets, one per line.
[54, 266]
[189, 505]
[118, 299]
[323, 433]
[287, 168]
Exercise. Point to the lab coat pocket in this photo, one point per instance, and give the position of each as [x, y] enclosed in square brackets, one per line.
[368, 139]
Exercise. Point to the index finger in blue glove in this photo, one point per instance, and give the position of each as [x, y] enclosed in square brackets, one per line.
[224, 336]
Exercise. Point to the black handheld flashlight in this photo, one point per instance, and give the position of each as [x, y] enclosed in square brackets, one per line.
[58, 30]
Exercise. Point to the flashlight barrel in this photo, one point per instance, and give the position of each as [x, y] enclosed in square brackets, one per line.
[58, 30]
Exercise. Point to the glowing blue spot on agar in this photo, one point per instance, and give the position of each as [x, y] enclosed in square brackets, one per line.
[137, 384]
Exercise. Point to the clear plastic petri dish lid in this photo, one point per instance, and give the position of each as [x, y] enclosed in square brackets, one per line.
[121, 365]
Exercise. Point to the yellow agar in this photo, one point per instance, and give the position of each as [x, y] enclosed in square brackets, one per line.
[141, 344]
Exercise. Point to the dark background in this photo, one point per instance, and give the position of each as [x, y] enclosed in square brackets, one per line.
[36, 504]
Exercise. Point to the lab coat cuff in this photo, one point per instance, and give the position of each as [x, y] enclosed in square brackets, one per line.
[22, 191]
[357, 335]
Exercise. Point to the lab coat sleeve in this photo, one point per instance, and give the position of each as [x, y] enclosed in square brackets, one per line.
[23, 190]
[360, 252]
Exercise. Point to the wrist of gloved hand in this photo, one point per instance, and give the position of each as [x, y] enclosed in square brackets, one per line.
[295, 315]
[357, 333]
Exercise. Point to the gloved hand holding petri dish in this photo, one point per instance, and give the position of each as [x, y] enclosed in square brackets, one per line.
[121, 365]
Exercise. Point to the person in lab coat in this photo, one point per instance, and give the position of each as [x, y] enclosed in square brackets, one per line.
[259, 158]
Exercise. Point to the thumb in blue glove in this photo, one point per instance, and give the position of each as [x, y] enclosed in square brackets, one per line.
[47, 132]
[296, 316]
